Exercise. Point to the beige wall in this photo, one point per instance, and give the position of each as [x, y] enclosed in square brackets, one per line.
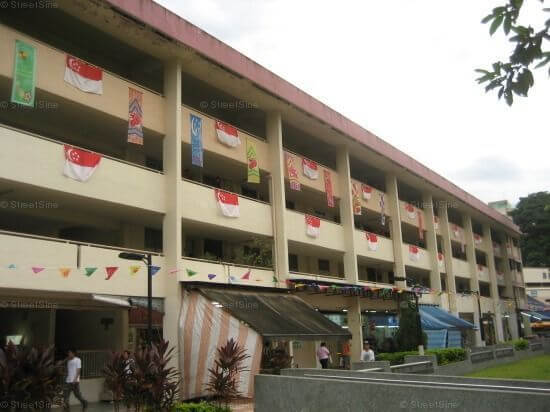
[331, 234]
[384, 251]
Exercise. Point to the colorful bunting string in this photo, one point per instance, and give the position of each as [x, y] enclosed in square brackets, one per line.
[89, 271]
[110, 271]
[65, 272]
[37, 269]
[134, 269]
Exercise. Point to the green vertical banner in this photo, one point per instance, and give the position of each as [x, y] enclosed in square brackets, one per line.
[252, 161]
[24, 74]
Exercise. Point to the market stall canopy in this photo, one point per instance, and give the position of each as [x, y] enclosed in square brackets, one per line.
[434, 318]
[539, 316]
[276, 315]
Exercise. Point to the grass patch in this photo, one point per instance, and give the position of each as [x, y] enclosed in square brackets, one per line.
[533, 369]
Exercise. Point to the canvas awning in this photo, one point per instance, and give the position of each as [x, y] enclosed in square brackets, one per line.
[434, 318]
[276, 315]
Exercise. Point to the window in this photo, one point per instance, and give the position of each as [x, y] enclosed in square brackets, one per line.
[153, 239]
[391, 277]
[324, 266]
[249, 192]
[293, 262]
[290, 205]
[544, 275]
[371, 275]
[213, 249]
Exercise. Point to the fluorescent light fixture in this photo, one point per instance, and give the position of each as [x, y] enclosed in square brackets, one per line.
[15, 339]
[344, 310]
[372, 311]
[215, 303]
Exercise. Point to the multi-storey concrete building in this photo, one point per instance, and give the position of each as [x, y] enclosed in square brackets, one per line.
[386, 222]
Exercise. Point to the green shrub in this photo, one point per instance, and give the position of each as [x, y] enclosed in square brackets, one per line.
[444, 356]
[519, 344]
[200, 407]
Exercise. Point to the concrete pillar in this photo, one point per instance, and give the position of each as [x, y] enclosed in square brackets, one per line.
[508, 274]
[355, 327]
[472, 263]
[448, 255]
[488, 245]
[172, 224]
[392, 205]
[431, 242]
[274, 134]
[346, 213]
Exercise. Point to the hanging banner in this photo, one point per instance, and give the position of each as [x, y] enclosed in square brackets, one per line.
[292, 172]
[411, 213]
[135, 116]
[252, 162]
[83, 75]
[356, 200]
[310, 169]
[414, 253]
[372, 241]
[436, 223]
[420, 225]
[196, 141]
[227, 134]
[313, 226]
[228, 202]
[328, 188]
[382, 204]
[367, 192]
[24, 74]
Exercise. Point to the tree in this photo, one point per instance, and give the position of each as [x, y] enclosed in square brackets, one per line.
[532, 215]
[406, 337]
[515, 76]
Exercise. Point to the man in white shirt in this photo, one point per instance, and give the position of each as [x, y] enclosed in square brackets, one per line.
[72, 382]
[367, 354]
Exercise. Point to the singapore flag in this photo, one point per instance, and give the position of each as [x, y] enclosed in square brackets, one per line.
[228, 202]
[83, 76]
[313, 226]
[80, 164]
[227, 134]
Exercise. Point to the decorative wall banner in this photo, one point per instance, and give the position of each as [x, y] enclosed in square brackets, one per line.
[367, 192]
[313, 226]
[411, 212]
[83, 76]
[372, 241]
[328, 188]
[252, 162]
[292, 173]
[355, 198]
[227, 134]
[414, 253]
[310, 169]
[228, 202]
[24, 74]
[135, 116]
[196, 140]
[382, 204]
[80, 164]
[246, 276]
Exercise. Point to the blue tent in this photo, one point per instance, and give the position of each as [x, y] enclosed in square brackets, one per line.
[442, 328]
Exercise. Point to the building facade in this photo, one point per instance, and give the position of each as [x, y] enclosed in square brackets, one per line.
[537, 283]
[323, 204]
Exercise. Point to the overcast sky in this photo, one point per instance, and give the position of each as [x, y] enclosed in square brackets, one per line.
[403, 69]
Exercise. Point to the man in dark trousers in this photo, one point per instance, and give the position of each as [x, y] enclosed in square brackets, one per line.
[72, 382]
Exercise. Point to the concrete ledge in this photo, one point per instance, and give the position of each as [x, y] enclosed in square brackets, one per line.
[504, 352]
[482, 356]
[536, 346]
[384, 365]
[298, 394]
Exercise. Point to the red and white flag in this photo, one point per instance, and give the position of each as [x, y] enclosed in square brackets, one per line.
[80, 164]
[310, 169]
[367, 191]
[313, 226]
[477, 239]
[440, 260]
[229, 203]
[227, 134]
[411, 213]
[414, 253]
[83, 76]
[436, 223]
[480, 268]
[372, 241]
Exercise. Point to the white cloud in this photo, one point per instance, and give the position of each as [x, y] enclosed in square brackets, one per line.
[403, 69]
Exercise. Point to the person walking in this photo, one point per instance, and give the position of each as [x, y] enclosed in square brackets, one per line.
[367, 355]
[323, 354]
[346, 354]
[72, 382]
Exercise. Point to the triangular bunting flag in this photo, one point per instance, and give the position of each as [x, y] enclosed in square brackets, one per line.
[37, 269]
[190, 272]
[211, 276]
[65, 272]
[12, 266]
[134, 269]
[275, 279]
[110, 271]
[154, 270]
[89, 271]
[246, 275]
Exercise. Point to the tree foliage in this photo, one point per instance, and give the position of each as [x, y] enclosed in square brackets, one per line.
[532, 215]
[515, 76]
[406, 337]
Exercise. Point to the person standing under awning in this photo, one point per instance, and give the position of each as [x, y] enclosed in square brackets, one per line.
[323, 354]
